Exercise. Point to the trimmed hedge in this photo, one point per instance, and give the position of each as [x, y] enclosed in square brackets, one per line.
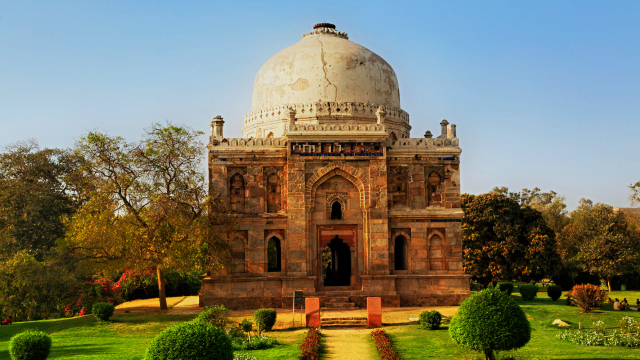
[103, 311]
[265, 319]
[430, 320]
[528, 292]
[190, 341]
[554, 292]
[490, 320]
[30, 345]
[506, 287]
[216, 315]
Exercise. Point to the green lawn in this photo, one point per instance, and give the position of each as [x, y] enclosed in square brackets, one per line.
[414, 343]
[126, 337]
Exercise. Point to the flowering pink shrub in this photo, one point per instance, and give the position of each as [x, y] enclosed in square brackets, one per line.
[80, 298]
[386, 351]
[7, 321]
[311, 345]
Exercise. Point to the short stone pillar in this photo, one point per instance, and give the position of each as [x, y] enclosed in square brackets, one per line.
[374, 312]
[312, 312]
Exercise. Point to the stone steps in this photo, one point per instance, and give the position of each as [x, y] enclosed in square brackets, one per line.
[344, 321]
[339, 303]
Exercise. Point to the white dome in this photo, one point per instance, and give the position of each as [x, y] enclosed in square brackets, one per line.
[324, 79]
[325, 66]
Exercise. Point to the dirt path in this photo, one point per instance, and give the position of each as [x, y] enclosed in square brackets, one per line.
[349, 344]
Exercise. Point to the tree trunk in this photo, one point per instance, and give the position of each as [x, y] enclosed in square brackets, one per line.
[609, 284]
[488, 355]
[162, 294]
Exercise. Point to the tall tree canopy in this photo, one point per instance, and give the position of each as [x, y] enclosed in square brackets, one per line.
[552, 206]
[598, 240]
[38, 191]
[503, 240]
[150, 205]
[635, 193]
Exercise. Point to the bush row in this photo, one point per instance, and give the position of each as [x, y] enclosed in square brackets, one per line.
[310, 349]
[385, 349]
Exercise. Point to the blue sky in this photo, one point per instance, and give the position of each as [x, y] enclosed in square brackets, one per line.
[544, 93]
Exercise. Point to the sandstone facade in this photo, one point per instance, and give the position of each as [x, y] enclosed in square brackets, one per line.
[341, 202]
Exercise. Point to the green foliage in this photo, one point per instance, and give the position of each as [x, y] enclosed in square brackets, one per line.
[588, 297]
[264, 319]
[554, 292]
[551, 205]
[190, 341]
[30, 345]
[595, 338]
[38, 193]
[502, 240]
[31, 290]
[506, 287]
[629, 325]
[215, 315]
[598, 240]
[136, 285]
[528, 292]
[246, 325]
[258, 342]
[430, 320]
[103, 311]
[490, 320]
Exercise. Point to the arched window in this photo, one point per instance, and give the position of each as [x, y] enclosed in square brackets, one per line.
[393, 135]
[237, 256]
[274, 202]
[435, 253]
[273, 255]
[400, 249]
[336, 211]
[236, 192]
[270, 136]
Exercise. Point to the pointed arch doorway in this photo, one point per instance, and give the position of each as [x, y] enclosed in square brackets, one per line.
[337, 257]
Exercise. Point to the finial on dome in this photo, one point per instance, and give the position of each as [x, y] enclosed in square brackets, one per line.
[326, 29]
[324, 25]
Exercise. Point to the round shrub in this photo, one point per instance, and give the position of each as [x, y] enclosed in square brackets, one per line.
[103, 311]
[506, 287]
[216, 315]
[430, 320]
[30, 345]
[190, 341]
[554, 292]
[490, 320]
[528, 292]
[265, 319]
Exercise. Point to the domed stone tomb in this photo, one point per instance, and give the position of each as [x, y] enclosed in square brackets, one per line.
[325, 78]
[332, 195]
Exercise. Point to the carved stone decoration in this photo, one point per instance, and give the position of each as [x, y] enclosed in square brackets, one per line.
[236, 188]
[434, 185]
[398, 186]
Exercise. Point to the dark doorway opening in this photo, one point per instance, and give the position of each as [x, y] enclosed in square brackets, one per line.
[336, 211]
[400, 250]
[274, 255]
[336, 263]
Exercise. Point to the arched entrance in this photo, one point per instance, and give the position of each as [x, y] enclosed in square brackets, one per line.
[336, 263]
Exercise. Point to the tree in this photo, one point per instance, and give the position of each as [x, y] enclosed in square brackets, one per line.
[550, 204]
[598, 240]
[502, 240]
[150, 206]
[488, 321]
[31, 290]
[634, 196]
[38, 191]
